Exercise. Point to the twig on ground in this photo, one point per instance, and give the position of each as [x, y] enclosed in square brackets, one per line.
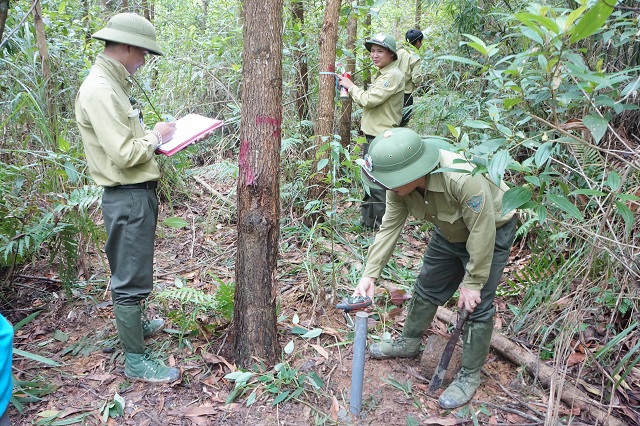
[32, 277]
[536, 420]
[212, 191]
[510, 394]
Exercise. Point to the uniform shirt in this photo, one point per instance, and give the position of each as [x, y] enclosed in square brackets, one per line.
[382, 101]
[119, 149]
[464, 208]
[409, 64]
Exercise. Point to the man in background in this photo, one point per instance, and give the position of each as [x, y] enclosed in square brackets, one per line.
[120, 155]
[381, 104]
[409, 64]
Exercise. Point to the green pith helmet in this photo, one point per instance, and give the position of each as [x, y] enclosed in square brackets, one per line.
[385, 40]
[396, 157]
[131, 29]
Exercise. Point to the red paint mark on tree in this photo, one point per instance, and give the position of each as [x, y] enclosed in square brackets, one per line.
[261, 120]
[244, 167]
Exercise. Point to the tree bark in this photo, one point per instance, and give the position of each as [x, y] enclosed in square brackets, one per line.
[4, 12]
[418, 14]
[326, 98]
[254, 316]
[571, 395]
[350, 67]
[302, 69]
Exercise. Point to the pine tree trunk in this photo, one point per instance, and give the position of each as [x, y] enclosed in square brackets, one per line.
[302, 69]
[350, 67]
[4, 12]
[258, 188]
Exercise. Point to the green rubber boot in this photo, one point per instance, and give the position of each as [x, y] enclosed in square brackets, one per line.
[421, 313]
[151, 327]
[475, 348]
[138, 364]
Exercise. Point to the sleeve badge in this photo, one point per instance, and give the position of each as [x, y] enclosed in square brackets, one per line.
[475, 203]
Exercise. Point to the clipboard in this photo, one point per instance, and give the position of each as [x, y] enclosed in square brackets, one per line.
[188, 128]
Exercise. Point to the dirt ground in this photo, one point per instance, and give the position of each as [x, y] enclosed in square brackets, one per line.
[79, 334]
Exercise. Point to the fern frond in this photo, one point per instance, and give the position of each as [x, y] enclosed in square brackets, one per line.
[189, 295]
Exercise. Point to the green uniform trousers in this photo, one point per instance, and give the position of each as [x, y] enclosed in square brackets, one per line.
[444, 264]
[374, 203]
[130, 217]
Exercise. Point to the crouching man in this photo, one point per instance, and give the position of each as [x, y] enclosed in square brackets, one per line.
[467, 251]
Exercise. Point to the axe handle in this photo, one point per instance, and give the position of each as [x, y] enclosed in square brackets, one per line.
[438, 375]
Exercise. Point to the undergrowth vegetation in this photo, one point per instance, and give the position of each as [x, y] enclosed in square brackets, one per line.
[545, 97]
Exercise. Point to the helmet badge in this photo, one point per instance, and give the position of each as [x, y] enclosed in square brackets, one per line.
[368, 163]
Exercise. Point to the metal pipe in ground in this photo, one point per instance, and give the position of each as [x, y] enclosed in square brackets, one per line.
[357, 371]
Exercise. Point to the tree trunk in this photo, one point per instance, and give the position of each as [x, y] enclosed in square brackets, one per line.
[4, 12]
[418, 13]
[366, 75]
[324, 130]
[350, 67]
[49, 95]
[254, 316]
[302, 69]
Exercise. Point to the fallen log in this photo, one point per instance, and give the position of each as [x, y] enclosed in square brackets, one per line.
[570, 395]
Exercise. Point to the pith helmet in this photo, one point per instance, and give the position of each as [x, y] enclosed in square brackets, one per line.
[385, 40]
[131, 29]
[396, 157]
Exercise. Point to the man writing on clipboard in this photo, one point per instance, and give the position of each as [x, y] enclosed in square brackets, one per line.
[120, 156]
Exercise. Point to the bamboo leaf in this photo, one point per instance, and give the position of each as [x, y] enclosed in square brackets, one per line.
[627, 215]
[477, 124]
[460, 59]
[591, 21]
[281, 397]
[35, 357]
[565, 205]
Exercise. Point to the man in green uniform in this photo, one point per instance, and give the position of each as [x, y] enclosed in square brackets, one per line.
[409, 64]
[120, 155]
[381, 110]
[467, 251]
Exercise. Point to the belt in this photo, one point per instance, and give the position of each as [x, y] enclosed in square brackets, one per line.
[143, 185]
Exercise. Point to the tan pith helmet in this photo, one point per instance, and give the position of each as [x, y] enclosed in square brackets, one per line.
[396, 157]
[131, 29]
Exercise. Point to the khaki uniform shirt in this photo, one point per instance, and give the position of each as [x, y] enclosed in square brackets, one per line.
[464, 208]
[409, 64]
[382, 101]
[119, 149]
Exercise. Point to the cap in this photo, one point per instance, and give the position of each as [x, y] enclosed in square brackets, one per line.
[131, 29]
[413, 36]
[396, 157]
[385, 40]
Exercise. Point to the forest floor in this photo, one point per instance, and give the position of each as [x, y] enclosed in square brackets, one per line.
[79, 334]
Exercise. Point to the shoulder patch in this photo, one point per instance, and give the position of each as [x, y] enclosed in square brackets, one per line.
[386, 83]
[475, 203]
